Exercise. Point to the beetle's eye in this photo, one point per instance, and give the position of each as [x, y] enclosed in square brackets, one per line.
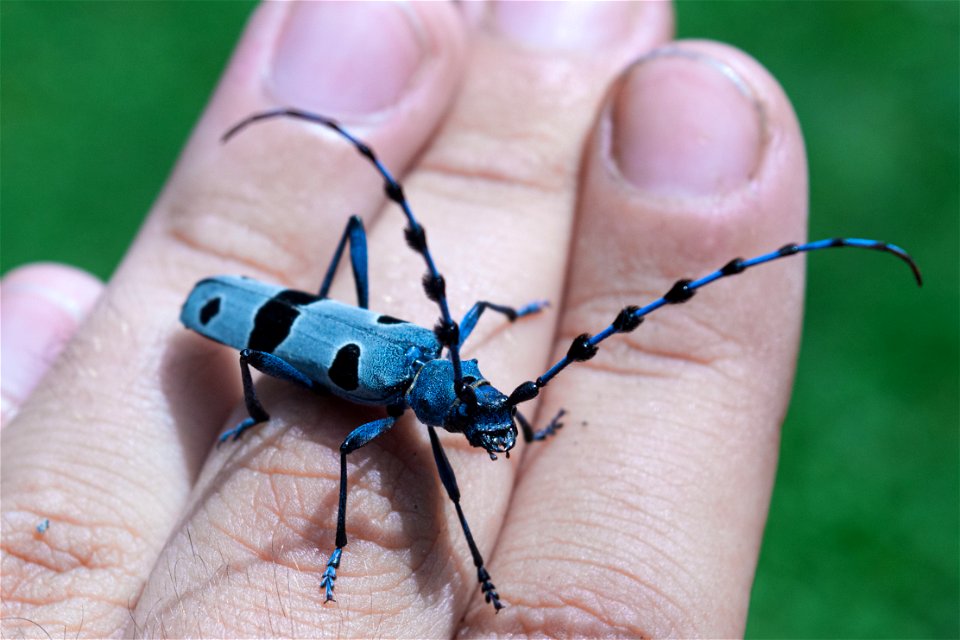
[468, 397]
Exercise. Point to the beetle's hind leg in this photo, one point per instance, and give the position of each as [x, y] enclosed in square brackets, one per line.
[272, 366]
[357, 237]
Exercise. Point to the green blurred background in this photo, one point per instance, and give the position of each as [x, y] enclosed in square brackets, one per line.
[97, 98]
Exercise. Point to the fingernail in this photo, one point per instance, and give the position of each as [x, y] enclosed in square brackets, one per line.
[346, 58]
[685, 124]
[564, 25]
[41, 307]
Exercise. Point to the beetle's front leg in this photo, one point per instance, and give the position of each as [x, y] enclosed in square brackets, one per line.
[473, 315]
[357, 438]
[529, 435]
[453, 491]
[272, 366]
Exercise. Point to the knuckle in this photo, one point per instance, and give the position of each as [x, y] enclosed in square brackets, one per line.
[239, 228]
[260, 212]
[668, 343]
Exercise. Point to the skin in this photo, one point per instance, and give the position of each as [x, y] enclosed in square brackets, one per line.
[542, 165]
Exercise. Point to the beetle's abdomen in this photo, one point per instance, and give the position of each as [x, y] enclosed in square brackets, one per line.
[355, 353]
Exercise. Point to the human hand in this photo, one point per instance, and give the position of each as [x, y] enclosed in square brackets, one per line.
[643, 516]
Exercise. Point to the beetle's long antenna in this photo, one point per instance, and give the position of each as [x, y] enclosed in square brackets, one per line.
[585, 346]
[446, 330]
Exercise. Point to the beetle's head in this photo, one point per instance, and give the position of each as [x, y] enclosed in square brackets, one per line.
[479, 411]
[485, 418]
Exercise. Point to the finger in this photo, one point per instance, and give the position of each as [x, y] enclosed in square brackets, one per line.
[496, 192]
[406, 567]
[644, 516]
[42, 306]
[110, 443]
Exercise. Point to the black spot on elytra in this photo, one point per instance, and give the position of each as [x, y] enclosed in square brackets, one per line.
[294, 297]
[344, 372]
[385, 319]
[209, 310]
[271, 326]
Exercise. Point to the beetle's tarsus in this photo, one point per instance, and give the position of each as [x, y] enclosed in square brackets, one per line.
[330, 575]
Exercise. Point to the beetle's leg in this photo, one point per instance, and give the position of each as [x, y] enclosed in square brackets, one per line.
[470, 319]
[358, 260]
[450, 484]
[272, 366]
[529, 435]
[357, 438]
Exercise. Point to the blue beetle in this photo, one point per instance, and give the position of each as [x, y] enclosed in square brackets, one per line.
[375, 359]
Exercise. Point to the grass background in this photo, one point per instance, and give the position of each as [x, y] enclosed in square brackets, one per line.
[97, 98]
